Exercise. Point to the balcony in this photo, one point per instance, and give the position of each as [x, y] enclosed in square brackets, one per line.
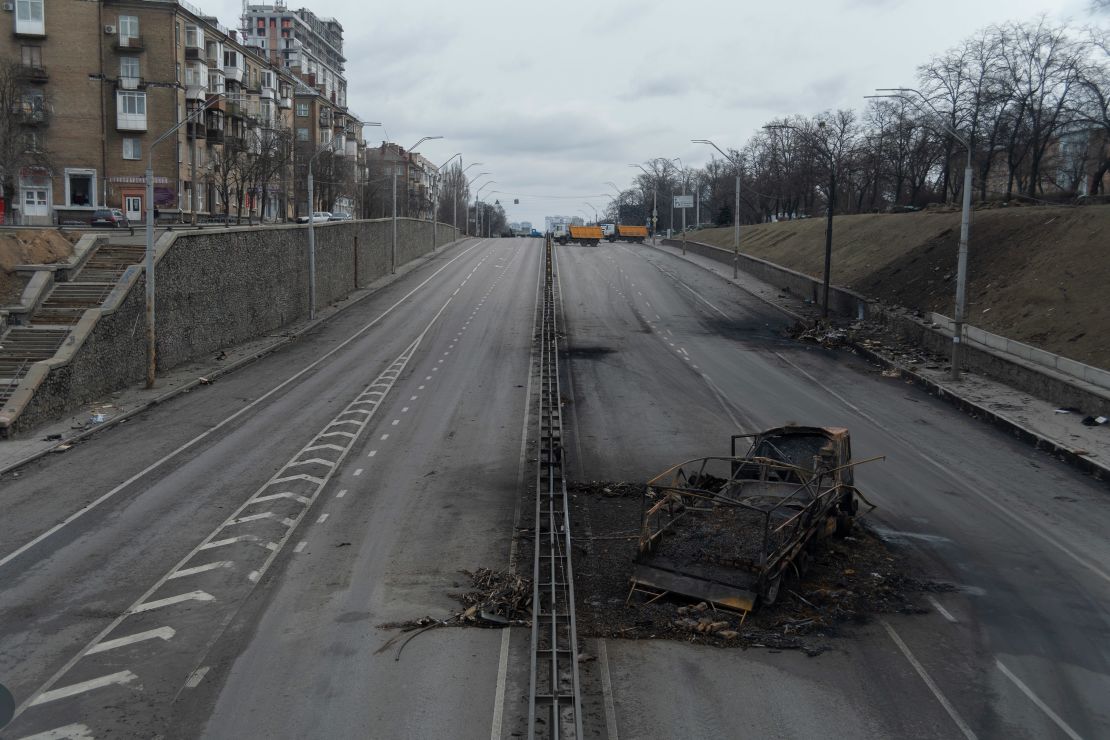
[131, 83]
[195, 129]
[128, 43]
[233, 74]
[235, 110]
[236, 143]
[35, 75]
[197, 92]
[215, 135]
[36, 117]
[194, 54]
[285, 102]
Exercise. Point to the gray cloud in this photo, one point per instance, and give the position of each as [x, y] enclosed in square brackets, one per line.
[557, 98]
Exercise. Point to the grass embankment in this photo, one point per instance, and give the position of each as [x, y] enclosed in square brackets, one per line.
[1040, 275]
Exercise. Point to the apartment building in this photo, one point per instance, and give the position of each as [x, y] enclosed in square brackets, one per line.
[331, 136]
[299, 40]
[105, 82]
[415, 181]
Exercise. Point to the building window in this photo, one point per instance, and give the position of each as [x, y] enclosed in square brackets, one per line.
[80, 188]
[194, 37]
[128, 28]
[31, 56]
[30, 17]
[131, 111]
[302, 109]
[133, 104]
[132, 148]
[129, 68]
[302, 134]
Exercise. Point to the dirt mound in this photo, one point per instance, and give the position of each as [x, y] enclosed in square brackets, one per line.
[27, 247]
[1035, 274]
[848, 581]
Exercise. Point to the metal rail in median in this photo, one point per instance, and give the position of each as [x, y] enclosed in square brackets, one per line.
[555, 705]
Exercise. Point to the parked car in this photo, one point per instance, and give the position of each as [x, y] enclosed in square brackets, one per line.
[340, 216]
[317, 217]
[113, 218]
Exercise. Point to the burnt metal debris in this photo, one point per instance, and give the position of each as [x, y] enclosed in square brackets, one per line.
[726, 530]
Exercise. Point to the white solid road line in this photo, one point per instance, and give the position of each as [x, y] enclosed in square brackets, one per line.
[69, 732]
[1064, 727]
[142, 605]
[184, 572]
[162, 633]
[1035, 530]
[121, 677]
[943, 612]
[607, 690]
[967, 732]
[227, 420]
[196, 677]
[170, 601]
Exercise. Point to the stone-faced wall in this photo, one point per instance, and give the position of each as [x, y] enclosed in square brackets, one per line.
[215, 288]
[222, 287]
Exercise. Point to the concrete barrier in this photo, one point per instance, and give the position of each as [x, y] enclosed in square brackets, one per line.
[842, 301]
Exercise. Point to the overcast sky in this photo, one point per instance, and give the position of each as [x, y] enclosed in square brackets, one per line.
[556, 97]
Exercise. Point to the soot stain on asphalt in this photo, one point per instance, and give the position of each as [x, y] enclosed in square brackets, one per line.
[849, 582]
[587, 352]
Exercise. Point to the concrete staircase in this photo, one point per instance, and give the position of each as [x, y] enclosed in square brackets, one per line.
[49, 326]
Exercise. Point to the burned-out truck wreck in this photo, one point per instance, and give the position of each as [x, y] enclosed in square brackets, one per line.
[728, 530]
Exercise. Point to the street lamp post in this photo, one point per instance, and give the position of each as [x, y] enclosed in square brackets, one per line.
[435, 199]
[477, 212]
[965, 222]
[591, 205]
[411, 150]
[148, 267]
[455, 201]
[735, 212]
[393, 242]
[620, 197]
[654, 201]
[470, 182]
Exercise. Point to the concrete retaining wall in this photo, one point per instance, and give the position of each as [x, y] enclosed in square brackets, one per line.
[215, 289]
[1028, 369]
[841, 300]
[1016, 372]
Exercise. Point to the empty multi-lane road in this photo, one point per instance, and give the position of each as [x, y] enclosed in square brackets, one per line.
[221, 565]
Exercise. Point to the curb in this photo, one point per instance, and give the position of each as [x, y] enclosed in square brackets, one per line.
[1064, 453]
[768, 301]
[1067, 454]
[219, 373]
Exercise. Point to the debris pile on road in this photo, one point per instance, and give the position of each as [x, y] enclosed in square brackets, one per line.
[818, 333]
[496, 598]
[848, 581]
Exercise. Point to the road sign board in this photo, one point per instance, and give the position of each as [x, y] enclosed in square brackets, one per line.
[684, 201]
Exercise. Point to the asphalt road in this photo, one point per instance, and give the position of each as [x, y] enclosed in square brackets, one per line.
[667, 360]
[222, 565]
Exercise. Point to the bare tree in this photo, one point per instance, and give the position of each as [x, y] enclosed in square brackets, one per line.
[22, 109]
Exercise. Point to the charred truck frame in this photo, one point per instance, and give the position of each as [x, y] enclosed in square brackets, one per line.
[728, 529]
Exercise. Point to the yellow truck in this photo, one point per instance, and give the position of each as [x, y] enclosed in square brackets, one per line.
[630, 234]
[589, 236]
